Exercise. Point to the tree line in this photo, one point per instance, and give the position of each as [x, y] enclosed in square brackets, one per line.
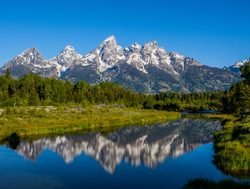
[236, 100]
[33, 90]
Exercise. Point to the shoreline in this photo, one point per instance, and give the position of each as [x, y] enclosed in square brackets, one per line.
[33, 121]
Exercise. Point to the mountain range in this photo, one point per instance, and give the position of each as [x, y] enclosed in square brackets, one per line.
[144, 68]
[236, 67]
[148, 145]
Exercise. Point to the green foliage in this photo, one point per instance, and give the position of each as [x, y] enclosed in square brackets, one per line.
[245, 71]
[202, 183]
[192, 102]
[232, 147]
[237, 100]
[232, 143]
[32, 90]
[7, 74]
[40, 120]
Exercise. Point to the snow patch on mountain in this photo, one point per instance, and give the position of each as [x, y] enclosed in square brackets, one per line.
[105, 56]
[240, 63]
[236, 67]
[144, 68]
[65, 59]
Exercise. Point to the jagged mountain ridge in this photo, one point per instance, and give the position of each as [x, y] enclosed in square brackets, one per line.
[32, 61]
[148, 68]
[147, 145]
[236, 67]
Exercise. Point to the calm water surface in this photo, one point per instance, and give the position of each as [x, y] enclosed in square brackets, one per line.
[159, 156]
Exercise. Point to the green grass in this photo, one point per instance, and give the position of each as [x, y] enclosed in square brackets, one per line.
[221, 117]
[231, 144]
[31, 121]
[232, 147]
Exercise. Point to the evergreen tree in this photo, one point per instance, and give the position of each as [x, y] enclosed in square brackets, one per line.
[245, 71]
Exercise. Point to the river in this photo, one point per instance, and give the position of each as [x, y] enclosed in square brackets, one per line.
[165, 155]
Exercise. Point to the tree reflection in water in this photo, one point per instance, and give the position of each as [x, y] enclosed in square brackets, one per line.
[148, 145]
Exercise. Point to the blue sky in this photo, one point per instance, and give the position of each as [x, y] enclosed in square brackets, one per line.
[214, 32]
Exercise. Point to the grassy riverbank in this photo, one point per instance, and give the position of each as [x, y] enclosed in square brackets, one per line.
[232, 147]
[30, 121]
[231, 144]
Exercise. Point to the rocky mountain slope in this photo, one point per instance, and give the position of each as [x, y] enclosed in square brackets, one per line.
[236, 67]
[147, 68]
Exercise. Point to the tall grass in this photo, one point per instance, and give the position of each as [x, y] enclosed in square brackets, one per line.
[232, 147]
[30, 121]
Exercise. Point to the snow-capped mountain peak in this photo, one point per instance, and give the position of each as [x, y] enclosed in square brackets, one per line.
[151, 45]
[29, 56]
[110, 39]
[32, 55]
[105, 56]
[144, 68]
[177, 56]
[66, 57]
[30, 52]
[240, 63]
[236, 66]
[135, 47]
[69, 48]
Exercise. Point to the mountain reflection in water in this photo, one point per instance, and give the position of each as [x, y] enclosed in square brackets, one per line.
[148, 145]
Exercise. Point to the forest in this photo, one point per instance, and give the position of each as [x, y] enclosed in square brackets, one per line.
[33, 99]
[32, 90]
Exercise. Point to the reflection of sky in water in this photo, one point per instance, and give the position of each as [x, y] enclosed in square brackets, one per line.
[165, 155]
[147, 145]
[12, 180]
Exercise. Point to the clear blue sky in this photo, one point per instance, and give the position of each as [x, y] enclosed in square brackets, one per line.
[214, 32]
